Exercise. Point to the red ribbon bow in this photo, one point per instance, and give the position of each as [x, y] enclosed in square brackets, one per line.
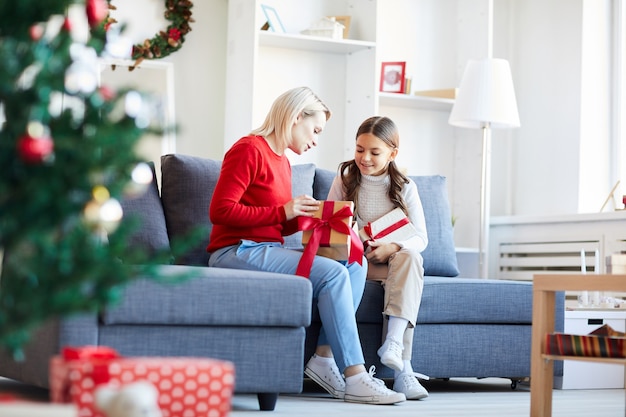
[100, 356]
[320, 232]
[386, 231]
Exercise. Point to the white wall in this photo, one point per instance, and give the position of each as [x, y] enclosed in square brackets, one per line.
[553, 164]
[199, 70]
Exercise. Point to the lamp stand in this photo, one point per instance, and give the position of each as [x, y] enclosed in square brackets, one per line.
[485, 199]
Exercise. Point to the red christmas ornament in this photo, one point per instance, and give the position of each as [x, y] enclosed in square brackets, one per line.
[34, 150]
[36, 32]
[97, 11]
[106, 93]
[67, 25]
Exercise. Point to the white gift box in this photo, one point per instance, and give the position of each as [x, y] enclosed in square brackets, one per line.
[392, 227]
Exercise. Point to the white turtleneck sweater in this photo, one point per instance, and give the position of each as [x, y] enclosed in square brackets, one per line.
[374, 203]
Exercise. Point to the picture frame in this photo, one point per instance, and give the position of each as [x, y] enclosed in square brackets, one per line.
[273, 20]
[345, 21]
[392, 77]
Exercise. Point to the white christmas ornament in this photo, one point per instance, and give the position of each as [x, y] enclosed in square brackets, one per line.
[138, 399]
[82, 75]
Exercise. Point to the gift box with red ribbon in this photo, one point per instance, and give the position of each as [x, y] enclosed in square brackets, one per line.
[392, 227]
[186, 385]
[329, 233]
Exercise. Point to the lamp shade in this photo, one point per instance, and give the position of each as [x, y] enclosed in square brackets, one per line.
[486, 96]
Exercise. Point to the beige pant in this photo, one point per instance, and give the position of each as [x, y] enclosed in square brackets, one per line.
[402, 279]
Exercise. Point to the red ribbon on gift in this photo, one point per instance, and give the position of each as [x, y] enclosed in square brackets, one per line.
[320, 232]
[99, 355]
[386, 231]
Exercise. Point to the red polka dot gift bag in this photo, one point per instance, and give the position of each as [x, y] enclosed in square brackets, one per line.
[187, 386]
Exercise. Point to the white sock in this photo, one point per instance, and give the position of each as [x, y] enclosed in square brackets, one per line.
[396, 327]
[318, 358]
[408, 369]
[355, 378]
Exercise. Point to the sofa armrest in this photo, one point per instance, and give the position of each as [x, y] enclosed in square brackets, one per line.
[47, 341]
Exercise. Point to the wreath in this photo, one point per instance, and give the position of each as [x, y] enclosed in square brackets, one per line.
[167, 41]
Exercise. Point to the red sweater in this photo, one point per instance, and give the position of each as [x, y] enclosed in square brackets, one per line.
[253, 186]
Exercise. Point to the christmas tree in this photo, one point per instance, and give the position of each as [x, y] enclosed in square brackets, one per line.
[67, 159]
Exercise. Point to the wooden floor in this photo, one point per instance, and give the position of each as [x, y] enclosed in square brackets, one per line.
[459, 397]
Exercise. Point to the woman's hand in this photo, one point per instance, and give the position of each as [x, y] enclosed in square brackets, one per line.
[303, 205]
[380, 252]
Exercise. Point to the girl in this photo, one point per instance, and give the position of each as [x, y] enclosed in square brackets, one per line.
[252, 209]
[373, 182]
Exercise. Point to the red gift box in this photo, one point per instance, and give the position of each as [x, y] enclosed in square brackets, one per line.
[329, 233]
[187, 386]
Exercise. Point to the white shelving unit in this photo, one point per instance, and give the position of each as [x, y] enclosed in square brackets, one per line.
[313, 43]
[262, 64]
[344, 72]
[434, 37]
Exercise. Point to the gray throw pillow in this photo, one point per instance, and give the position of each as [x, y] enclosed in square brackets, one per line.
[187, 185]
[302, 176]
[146, 210]
[440, 254]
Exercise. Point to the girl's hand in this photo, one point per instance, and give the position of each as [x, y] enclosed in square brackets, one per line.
[303, 205]
[380, 252]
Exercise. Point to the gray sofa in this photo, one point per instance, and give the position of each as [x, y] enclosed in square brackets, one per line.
[264, 323]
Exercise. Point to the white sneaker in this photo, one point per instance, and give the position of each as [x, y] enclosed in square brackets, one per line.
[391, 354]
[370, 390]
[408, 384]
[327, 375]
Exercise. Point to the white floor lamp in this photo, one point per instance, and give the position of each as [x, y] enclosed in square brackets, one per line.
[485, 100]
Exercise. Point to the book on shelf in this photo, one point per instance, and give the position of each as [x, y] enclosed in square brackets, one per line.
[445, 93]
[604, 342]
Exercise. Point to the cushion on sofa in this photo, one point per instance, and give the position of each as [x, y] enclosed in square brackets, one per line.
[192, 302]
[440, 255]
[187, 184]
[147, 211]
[187, 187]
[459, 300]
[302, 176]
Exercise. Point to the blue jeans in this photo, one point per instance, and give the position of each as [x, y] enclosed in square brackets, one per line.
[337, 290]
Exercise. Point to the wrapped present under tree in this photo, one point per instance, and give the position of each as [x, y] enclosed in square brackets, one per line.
[186, 385]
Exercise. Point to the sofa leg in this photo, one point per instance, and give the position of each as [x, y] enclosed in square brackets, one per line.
[267, 400]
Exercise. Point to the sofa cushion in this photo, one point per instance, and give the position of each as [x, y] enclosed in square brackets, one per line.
[440, 254]
[323, 180]
[460, 300]
[147, 211]
[203, 296]
[302, 176]
[187, 184]
[187, 187]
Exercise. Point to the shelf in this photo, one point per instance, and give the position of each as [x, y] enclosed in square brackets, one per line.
[621, 361]
[313, 43]
[415, 102]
